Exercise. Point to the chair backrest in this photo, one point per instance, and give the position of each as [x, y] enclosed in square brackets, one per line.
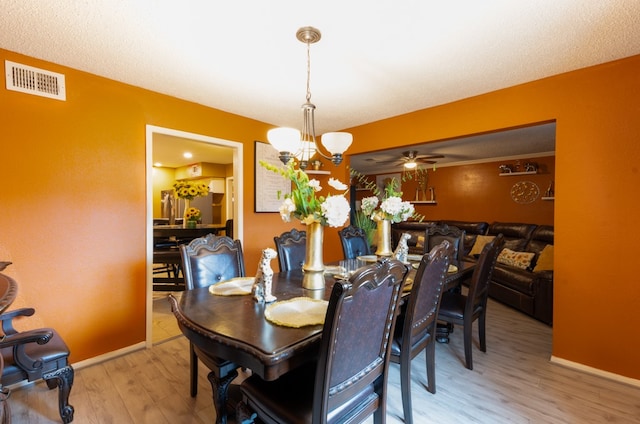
[354, 242]
[355, 346]
[421, 314]
[434, 235]
[291, 247]
[211, 259]
[479, 285]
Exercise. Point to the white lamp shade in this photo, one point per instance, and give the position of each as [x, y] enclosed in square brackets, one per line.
[337, 142]
[284, 139]
[410, 165]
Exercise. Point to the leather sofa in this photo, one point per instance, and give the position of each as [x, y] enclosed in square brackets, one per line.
[523, 289]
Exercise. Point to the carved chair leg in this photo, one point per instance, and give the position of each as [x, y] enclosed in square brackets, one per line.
[63, 380]
[220, 388]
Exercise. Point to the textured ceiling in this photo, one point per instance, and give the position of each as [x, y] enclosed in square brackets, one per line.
[375, 59]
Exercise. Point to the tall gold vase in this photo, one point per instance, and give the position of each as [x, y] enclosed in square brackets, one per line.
[384, 238]
[313, 267]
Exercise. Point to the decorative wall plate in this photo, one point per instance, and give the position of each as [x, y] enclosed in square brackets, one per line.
[525, 192]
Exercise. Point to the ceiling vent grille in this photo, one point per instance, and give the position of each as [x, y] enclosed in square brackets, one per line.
[28, 79]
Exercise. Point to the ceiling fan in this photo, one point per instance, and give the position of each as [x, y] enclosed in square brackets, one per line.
[410, 159]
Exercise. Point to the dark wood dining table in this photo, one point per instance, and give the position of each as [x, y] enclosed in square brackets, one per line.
[234, 328]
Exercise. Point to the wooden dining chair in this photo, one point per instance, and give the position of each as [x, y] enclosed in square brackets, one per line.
[460, 309]
[436, 234]
[415, 328]
[354, 242]
[291, 247]
[205, 261]
[348, 383]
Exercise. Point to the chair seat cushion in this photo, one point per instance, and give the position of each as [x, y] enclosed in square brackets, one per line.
[452, 306]
[396, 343]
[289, 399]
[53, 354]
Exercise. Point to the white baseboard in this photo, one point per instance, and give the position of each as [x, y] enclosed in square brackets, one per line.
[595, 371]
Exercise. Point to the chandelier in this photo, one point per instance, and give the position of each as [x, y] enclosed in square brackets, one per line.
[289, 142]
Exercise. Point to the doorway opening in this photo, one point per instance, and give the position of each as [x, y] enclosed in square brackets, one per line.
[235, 208]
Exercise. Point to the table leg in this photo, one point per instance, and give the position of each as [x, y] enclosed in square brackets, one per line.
[220, 388]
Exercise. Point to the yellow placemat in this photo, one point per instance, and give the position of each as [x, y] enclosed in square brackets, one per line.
[297, 312]
[235, 287]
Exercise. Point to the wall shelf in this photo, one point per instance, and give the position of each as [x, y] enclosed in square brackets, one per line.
[548, 198]
[513, 174]
[423, 202]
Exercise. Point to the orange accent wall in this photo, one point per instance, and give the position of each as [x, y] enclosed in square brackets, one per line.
[73, 213]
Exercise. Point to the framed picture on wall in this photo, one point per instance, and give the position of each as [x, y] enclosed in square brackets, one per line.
[270, 188]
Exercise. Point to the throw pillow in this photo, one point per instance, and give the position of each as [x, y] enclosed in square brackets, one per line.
[520, 260]
[479, 244]
[545, 260]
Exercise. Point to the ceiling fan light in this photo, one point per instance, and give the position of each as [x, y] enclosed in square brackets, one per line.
[284, 139]
[410, 165]
[337, 142]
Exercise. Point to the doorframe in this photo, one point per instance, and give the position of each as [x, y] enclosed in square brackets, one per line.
[238, 207]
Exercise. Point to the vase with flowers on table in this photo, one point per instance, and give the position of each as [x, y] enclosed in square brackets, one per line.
[385, 208]
[189, 190]
[315, 211]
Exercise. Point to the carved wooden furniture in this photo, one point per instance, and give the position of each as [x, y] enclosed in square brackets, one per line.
[456, 308]
[234, 328]
[291, 247]
[415, 329]
[354, 242]
[205, 261]
[34, 354]
[348, 382]
[434, 235]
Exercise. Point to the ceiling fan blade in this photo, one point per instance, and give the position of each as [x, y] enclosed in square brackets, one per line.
[430, 156]
[429, 161]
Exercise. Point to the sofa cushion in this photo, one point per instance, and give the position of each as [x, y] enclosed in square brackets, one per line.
[545, 260]
[520, 260]
[481, 241]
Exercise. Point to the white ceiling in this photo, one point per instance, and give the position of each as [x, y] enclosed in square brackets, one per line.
[375, 59]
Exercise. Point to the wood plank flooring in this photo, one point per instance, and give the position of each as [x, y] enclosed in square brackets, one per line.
[513, 382]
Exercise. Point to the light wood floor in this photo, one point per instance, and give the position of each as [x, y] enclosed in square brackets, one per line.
[514, 382]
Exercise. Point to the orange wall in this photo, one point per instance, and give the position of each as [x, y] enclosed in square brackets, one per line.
[73, 214]
[477, 193]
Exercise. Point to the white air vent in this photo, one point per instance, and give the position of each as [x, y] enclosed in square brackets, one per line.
[28, 79]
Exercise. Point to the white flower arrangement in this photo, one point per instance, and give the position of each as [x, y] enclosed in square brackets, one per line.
[303, 204]
[392, 206]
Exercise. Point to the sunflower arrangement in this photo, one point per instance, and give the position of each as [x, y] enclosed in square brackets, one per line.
[192, 214]
[190, 189]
